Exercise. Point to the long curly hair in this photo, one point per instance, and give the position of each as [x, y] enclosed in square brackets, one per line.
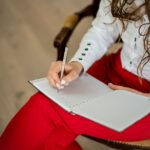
[123, 9]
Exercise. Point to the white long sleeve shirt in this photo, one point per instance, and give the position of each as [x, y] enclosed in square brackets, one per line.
[104, 32]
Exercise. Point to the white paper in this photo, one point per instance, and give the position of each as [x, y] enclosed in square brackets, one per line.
[83, 89]
[117, 110]
[94, 100]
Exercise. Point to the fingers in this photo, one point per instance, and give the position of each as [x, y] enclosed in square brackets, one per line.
[70, 74]
[118, 87]
[53, 74]
[54, 80]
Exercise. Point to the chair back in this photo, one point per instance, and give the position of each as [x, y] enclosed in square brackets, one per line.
[96, 6]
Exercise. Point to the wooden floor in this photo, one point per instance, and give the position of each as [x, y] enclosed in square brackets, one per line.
[27, 30]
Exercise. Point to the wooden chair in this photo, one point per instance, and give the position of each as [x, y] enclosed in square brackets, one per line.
[61, 41]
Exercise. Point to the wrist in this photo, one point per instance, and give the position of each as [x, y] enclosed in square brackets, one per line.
[78, 66]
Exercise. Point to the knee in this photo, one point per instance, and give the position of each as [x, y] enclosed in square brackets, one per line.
[38, 97]
[38, 100]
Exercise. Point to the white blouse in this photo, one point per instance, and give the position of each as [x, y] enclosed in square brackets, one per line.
[104, 32]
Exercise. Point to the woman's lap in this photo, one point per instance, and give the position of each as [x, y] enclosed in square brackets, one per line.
[40, 116]
[80, 125]
[109, 69]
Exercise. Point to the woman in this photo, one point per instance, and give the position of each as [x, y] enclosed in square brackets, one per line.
[43, 125]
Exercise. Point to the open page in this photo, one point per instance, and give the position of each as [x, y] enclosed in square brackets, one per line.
[117, 110]
[84, 89]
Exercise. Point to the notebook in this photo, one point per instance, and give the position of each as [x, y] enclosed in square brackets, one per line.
[92, 99]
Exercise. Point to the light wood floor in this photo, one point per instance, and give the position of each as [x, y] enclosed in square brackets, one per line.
[27, 30]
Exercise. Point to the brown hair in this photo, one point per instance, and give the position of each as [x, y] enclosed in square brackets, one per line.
[123, 10]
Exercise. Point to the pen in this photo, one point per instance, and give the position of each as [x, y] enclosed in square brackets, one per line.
[63, 65]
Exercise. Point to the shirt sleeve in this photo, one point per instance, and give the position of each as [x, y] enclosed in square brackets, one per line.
[98, 38]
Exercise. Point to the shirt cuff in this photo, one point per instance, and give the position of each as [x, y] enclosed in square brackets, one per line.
[84, 56]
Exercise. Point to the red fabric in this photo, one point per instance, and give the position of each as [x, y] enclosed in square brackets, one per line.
[43, 125]
[109, 69]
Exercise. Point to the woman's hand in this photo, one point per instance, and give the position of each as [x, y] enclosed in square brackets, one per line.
[118, 87]
[71, 72]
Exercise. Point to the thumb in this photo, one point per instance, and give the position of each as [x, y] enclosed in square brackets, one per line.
[112, 86]
[117, 87]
